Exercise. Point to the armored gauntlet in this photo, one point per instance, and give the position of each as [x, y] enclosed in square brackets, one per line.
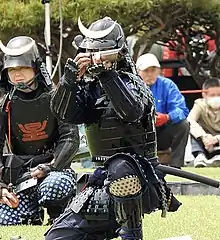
[70, 72]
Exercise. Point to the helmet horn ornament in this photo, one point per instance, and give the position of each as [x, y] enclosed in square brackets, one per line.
[94, 34]
[18, 51]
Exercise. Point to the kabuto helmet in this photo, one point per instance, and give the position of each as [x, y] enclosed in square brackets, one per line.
[22, 51]
[103, 34]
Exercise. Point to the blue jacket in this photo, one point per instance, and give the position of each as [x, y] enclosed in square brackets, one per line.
[169, 100]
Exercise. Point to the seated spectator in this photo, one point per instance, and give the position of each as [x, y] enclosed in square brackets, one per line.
[171, 125]
[204, 119]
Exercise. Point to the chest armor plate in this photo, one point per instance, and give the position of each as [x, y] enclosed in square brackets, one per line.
[111, 135]
[33, 127]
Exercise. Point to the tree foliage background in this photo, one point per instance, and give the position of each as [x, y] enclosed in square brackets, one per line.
[149, 20]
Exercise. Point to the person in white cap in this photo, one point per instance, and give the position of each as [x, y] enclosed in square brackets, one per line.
[171, 124]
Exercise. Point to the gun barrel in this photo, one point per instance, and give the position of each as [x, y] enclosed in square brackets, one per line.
[188, 175]
[108, 55]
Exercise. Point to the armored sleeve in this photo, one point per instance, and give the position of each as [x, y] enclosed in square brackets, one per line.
[67, 100]
[75, 103]
[67, 146]
[3, 121]
[124, 93]
[3, 127]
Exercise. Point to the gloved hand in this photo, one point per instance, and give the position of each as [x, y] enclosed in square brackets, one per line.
[70, 72]
[98, 177]
[161, 119]
[98, 66]
[96, 69]
[41, 171]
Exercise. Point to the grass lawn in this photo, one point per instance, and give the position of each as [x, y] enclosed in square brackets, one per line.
[199, 217]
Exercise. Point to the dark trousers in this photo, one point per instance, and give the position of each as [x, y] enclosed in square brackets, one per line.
[174, 136]
[198, 147]
[72, 226]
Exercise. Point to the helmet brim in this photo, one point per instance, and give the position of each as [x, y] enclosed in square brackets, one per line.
[19, 61]
[88, 43]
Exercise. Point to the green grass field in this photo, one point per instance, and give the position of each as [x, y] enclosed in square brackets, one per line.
[199, 217]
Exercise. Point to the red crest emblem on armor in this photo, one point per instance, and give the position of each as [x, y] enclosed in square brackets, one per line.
[33, 131]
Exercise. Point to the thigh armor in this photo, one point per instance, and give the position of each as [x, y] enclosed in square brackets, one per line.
[93, 203]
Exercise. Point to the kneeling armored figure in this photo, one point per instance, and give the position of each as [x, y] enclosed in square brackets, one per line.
[40, 148]
[101, 89]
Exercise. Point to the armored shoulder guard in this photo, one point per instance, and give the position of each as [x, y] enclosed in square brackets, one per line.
[143, 90]
[122, 91]
[145, 95]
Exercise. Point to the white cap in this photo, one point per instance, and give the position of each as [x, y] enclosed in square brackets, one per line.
[147, 60]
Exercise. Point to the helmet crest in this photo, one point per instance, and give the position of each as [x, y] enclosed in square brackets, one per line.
[94, 34]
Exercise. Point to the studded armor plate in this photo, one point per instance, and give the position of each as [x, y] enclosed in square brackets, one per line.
[79, 201]
[98, 205]
[93, 203]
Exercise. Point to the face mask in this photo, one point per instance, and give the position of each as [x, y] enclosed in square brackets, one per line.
[213, 102]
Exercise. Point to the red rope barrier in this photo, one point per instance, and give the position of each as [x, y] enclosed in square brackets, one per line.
[193, 91]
